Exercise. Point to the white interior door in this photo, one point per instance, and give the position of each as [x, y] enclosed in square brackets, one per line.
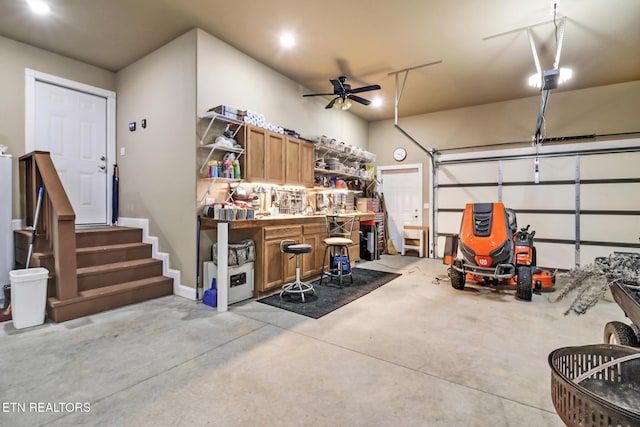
[402, 190]
[72, 126]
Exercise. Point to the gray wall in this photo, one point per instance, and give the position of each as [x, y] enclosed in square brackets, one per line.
[598, 110]
[15, 58]
[157, 170]
[227, 76]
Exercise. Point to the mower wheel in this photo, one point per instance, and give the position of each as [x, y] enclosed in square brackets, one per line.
[620, 333]
[524, 287]
[457, 278]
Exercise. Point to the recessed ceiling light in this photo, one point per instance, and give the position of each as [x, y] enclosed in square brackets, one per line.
[376, 102]
[39, 7]
[287, 40]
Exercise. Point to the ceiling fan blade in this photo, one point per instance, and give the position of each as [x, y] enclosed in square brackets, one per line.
[333, 101]
[360, 100]
[365, 89]
[338, 88]
[318, 94]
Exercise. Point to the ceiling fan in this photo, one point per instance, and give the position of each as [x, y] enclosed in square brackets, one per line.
[345, 94]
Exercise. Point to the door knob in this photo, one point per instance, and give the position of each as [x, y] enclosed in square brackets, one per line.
[103, 158]
[102, 167]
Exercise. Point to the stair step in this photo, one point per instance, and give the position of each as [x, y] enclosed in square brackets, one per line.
[104, 236]
[98, 255]
[109, 297]
[114, 268]
[98, 276]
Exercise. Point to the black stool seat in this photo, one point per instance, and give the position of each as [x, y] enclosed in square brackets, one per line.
[298, 248]
[298, 287]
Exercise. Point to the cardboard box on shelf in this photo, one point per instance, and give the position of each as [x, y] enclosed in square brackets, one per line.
[368, 205]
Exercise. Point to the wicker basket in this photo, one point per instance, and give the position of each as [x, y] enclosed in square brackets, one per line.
[587, 390]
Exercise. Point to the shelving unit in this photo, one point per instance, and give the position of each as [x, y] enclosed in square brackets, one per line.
[212, 147]
[325, 151]
[212, 181]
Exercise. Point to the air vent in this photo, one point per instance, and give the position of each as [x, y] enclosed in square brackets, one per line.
[482, 214]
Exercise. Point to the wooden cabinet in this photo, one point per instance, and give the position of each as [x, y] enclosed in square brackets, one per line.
[273, 158]
[264, 155]
[293, 161]
[313, 234]
[255, 142]
[307, 163]
[277, 268]
[300, 162]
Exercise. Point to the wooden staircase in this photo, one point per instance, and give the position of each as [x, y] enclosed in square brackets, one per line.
[90, 270]
[114, 269]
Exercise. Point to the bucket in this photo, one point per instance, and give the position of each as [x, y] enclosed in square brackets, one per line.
[28, 296]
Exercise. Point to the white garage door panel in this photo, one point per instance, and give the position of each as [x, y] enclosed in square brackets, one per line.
[539, 197]
[610, 228]
[465, 173]
[457, 197]
[555, 255]
[551, 169]
[624, 196]
[605, 166]
[558, 226]
[589, 253]
[449, 222]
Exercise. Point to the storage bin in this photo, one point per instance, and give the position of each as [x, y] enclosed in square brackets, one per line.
[28, 296]
[239, 253]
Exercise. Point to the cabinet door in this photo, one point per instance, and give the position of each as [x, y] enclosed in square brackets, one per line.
[274, 265]
[306, 163]
[311, 262]
[354, 250]
[292, 171]
[276, 157]
[255, 151]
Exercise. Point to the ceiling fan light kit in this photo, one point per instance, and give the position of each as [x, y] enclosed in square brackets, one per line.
[344, 94]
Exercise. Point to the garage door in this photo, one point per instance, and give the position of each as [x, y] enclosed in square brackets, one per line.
[584, 203]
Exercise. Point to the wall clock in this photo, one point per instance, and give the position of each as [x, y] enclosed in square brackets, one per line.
[399, 154]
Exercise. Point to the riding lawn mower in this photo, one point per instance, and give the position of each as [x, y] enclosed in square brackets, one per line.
[495, 252]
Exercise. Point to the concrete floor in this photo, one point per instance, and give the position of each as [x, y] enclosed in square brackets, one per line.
[414, 352]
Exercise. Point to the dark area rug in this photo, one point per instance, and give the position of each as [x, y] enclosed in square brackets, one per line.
[329, 296]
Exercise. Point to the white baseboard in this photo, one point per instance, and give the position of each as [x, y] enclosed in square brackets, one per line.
[18, 224]
[178, 288]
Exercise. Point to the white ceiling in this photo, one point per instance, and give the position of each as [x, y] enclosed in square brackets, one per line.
[363, 39]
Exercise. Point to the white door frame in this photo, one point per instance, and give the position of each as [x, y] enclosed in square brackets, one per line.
[419, 166]
[31, 76]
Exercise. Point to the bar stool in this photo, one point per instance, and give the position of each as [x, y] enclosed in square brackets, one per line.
[298, 287]
[339, 228]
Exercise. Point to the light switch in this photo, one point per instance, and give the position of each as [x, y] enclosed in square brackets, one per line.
[122, 151]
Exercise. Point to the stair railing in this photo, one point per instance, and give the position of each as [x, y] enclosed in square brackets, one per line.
[56, 225]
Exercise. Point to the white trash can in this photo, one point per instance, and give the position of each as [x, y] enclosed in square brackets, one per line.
[28, 296]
